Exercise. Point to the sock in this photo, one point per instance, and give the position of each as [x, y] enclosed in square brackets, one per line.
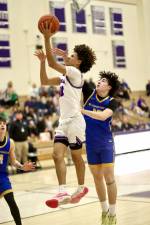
[62, 188]
[104, 206]
[13, 208]
[112, 210]
[80, 187]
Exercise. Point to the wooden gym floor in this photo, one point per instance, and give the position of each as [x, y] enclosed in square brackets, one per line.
[133, 204]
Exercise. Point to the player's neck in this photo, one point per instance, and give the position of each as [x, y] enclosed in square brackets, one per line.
[2, 137]
[103, 94]
[76, 66]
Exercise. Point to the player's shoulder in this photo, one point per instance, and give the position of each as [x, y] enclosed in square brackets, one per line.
[112, 99]
[12, 142]
[114, 103]
[72, 69]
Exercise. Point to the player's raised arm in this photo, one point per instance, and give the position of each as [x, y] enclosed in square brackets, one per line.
[99, 115]
[43, 75]
[46, 31]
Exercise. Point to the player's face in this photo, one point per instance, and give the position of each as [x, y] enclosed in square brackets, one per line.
[72, 60]
[103, 85]
[2, 127]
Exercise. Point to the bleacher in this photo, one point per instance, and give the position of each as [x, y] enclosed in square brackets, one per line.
[45, 148]
[135, 117]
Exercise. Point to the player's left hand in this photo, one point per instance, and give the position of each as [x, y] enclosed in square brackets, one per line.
[28, 166]
[59, 52]
[41, 56]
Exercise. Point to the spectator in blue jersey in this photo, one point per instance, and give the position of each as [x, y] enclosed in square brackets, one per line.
[99, 106]
[7, 152]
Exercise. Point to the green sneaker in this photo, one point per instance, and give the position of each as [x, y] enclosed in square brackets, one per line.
[104, 218]
[112, 220]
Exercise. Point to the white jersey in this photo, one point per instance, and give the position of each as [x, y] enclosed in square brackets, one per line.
[70, 93]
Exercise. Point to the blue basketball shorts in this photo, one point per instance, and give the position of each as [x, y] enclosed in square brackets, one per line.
[5, 185]
[100, 154]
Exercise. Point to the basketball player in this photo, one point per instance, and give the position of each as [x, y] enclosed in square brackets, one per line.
[99, 106]
[7, 152]
[71, 130]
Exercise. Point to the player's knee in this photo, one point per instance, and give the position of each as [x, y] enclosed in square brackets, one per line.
[109, 179]
[76, 156]
[57, 156]
[110, 182]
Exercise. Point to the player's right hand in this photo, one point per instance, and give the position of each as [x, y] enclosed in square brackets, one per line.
[46, 29]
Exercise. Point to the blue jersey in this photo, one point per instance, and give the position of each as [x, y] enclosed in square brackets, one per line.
[98, 132]
[5, 185]
[4, 157]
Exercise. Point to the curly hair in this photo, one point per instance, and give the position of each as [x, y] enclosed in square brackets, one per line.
[113, 81]
[87, 57]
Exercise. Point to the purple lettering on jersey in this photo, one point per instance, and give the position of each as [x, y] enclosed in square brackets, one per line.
[62, 84]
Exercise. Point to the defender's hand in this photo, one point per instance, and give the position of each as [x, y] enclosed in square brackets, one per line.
[28, 166]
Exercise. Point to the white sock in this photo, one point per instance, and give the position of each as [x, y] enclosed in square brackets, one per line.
[112, 210]
[104, 206]
[62, 188]
[80, 187]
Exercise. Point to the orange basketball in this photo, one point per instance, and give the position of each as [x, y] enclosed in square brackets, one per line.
[51, 19]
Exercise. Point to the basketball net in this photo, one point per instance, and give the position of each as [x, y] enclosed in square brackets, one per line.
[78, 5]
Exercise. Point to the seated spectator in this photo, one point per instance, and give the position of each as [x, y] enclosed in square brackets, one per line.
[124, 91]
[140, 125]
[30, 114]
[148, 88]
[134, 108]
[142, 104]
[42, 107]
[121, 109]
[33, 132]
[41, 125]
[34, 91]
[9, 97]
[126, 125]
[51, 106]
[125, 86]
[31, 102]
[51, 91]
[115, 126]
[43, 91]
[3, 112]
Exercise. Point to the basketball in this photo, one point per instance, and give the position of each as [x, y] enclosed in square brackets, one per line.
[51, 19]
